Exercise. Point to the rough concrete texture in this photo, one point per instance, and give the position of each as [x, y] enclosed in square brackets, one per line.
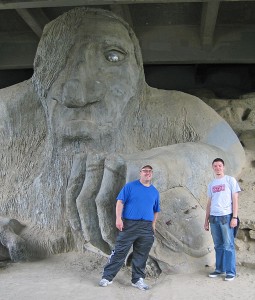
[240, 114]
[10, 239]
[82, 127]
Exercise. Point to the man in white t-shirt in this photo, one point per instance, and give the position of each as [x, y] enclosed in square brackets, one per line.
[221, 213]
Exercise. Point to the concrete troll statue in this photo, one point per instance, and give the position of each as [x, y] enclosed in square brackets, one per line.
[81, 127]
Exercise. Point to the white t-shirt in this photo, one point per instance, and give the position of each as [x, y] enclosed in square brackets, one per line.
[220, 192]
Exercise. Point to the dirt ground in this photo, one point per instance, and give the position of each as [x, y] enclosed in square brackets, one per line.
[75, 276]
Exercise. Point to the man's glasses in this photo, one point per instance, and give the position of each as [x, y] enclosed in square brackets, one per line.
[146, 171]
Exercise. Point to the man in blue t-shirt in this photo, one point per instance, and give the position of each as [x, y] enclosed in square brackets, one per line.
[137, 210]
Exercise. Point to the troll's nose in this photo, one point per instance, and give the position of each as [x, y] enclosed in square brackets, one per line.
[77, 94]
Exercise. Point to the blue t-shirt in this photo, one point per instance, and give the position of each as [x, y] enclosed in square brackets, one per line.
[140, 202]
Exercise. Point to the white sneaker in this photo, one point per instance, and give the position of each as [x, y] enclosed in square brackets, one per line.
[140, 285]
[104, 282]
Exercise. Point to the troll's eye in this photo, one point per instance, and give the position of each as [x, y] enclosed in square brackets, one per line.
[115, 55]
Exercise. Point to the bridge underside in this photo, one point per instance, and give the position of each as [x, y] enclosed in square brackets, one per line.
[185, 33]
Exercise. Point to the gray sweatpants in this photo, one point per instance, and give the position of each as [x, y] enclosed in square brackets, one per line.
[139, 234]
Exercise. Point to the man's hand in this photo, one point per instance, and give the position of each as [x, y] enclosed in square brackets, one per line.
[233, 223]
[119, 224]
[206, 225]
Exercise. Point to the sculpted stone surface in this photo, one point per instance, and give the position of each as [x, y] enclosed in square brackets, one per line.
[84, 124]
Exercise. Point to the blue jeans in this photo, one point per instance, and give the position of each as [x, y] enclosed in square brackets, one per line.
[224, 245]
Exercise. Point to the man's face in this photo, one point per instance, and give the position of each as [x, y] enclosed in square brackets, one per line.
[146, 175]
[101, 76]
[218, 168]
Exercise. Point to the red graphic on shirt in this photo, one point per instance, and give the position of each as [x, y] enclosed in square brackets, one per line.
[218, 188]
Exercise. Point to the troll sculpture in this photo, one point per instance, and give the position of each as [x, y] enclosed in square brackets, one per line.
[80, 128]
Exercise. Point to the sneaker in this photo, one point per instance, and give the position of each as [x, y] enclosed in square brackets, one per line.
[229, 277]
[140, 285]
[104, 282]
[215, 274]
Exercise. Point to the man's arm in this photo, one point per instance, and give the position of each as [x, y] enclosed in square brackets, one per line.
[154, 221]
[233, 222]
[207, 215]
[119, 209]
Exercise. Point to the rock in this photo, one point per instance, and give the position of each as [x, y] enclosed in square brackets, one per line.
[11, 241]
[252, 234]
[240, 245]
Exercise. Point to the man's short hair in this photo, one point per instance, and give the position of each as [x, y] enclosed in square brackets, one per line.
[218, 159]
